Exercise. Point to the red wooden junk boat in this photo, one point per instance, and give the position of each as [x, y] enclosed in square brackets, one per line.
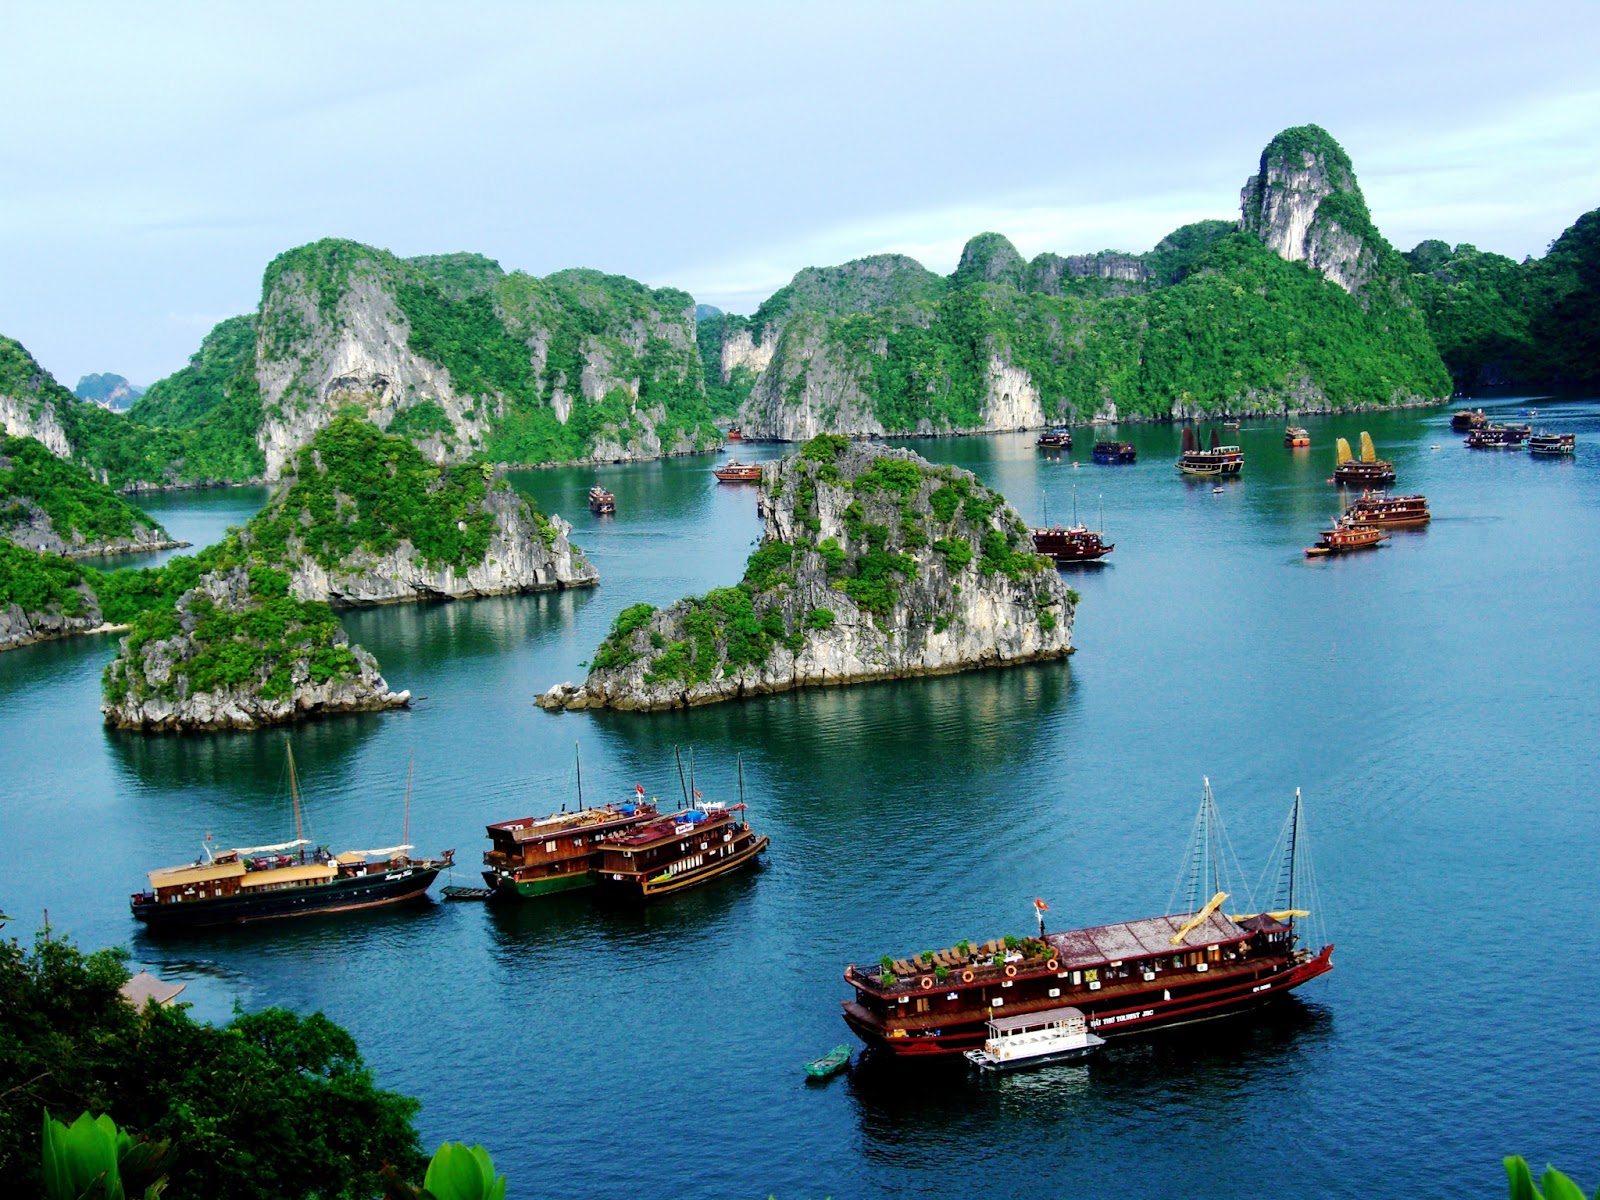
[1498, 437]
[601, 502]
[1393, 512]
[1467, 418]
[1367, 471]
[1346, 536]
[1058, 437]
[1218, 460]
[1126, 978]
[1075, 543]
[1296, 438]
[735, 471]
[735, 434]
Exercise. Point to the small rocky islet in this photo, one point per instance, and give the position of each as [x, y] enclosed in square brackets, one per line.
[873, 564]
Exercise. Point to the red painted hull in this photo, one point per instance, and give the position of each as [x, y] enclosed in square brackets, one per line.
[1127, 1012]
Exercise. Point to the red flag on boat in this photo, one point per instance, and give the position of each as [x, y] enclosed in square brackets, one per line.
[639, 790]
[697, 795]
[1040, 905]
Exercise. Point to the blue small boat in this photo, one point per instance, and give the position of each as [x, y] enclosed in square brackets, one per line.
[830, 1063]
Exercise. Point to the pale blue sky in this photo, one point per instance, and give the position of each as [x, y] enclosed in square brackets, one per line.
[157, 156]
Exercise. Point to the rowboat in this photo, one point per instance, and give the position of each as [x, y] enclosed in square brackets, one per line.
[831, 1063]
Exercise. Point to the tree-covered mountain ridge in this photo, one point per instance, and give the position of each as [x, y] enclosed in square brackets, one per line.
[1298, 305]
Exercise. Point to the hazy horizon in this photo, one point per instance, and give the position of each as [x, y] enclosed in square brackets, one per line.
[159, 162]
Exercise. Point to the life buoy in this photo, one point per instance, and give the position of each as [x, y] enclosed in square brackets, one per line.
[1052, 964]
[927, 983]
[966, 976]
[1011, 971]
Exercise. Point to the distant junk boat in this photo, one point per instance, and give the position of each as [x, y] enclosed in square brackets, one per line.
[1367, 471]
[1058, 437]
[1115, 452]
[1392, 512]
[1347, 536]
[735, 434]
[601, 502]
[1124, 978]
[1218, 460]
[1465, 419]
[1074, 544]
[1296, 438]
[1553, 445]
[258, 883]
[1498, 437]
[734, 471]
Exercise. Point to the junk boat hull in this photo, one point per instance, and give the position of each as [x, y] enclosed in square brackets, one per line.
[373, 890]
[1553, 445]
[1076, 544]
[543, 856]
[676, 852]
[738, 472]
[1218, 460]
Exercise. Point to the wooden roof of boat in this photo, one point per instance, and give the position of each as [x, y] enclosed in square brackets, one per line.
[527, 829]
[165, 877]
[310, 872]
[1139, 939]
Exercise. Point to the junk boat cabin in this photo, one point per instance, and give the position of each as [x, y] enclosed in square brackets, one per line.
[1367, 471]
[1498, 437]
[735, 471]
[1552, 445]
[261, 882]
[1296, 438]
[1035, 1039]
[539, 856]
[1125, 978]
[1389, 512]
[1077, 543]
[1218, 460]
[678, 851]
[1115, 452]
[1058, 437]
[601, 502]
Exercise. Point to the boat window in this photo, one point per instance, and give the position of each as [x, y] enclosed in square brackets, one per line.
[922, 1005]
[1077, 978]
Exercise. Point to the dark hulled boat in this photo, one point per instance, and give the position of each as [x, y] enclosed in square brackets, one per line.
[1552, 445]
[1367, 471]
[1058, 437]
[1115, 452]
[1390, 512]
[1217, 460]
[678, 851]
[1465, 419]
[1125, 978]
[601, 502]
[1347, 536]
[1498, 437]
[1076, 543]
[540, 856]
[734, 471]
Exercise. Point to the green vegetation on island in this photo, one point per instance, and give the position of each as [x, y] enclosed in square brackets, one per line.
[78, 507]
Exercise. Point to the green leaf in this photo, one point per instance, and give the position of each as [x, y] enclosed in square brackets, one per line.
[1558, 1187]
[1521, 1178]
[460, 1172]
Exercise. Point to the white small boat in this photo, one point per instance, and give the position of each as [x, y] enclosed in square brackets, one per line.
[1035, 1039]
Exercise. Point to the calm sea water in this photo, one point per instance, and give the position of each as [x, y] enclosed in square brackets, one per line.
[1436, 700]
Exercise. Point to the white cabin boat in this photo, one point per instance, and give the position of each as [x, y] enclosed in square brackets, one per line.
[1035, 1039]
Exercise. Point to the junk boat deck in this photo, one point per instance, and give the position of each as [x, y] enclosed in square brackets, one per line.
[1076, 543]
[539, 856]
[678, 851]
[1218, 460]
[1389, 512]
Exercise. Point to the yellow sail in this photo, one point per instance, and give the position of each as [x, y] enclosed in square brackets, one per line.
[1198, 919]
[1342, 453]
[1368, 454]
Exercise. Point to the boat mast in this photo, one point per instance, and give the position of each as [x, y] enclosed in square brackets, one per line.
[577, 759]
[294, 792]
[694, 796]
[678, 753]
[1294, 837]
[411, 761]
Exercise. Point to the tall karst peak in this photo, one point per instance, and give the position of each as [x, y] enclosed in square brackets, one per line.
[1306, 206]
[991, 258]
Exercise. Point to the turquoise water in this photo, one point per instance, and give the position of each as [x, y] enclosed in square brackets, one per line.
[1434, 699]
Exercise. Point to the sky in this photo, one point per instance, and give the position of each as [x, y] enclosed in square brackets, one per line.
[154, 158]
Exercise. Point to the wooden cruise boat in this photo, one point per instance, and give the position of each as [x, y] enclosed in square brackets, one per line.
[1552, 445]
[1498, 437]
[1347, 536]
[735, 434]
[1057, 437]
[258, 883]
[678, 851]
[540, 856]
[1115, 452]
[1125, 978]
[1386, 511]
[1218, 460]
[734, 471]
[601, 502]
[1465, 419]
[1367, 471]
[1036, 1039]
[1296, 438]
[1076, 543]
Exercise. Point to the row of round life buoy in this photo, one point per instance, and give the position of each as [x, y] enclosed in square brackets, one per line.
[967, 976]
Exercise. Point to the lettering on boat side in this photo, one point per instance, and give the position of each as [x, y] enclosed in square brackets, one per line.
[1128, 1016]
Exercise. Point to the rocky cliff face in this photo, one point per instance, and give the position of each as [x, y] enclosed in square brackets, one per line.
[873, 564]
[1305, 205]
[1048, 273]
[28, 416]
[49, 505]
[740, 349]
[200, 667]
[22, 627]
